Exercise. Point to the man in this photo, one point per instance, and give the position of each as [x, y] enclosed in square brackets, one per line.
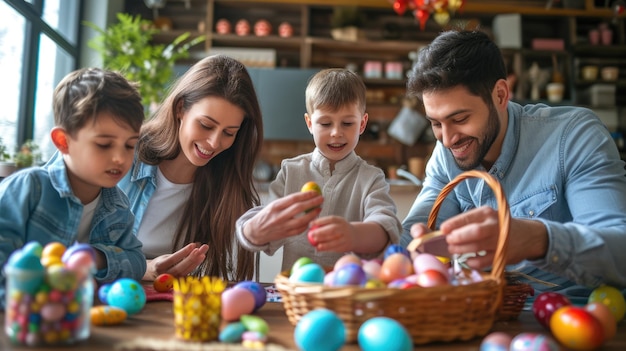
[558, 166]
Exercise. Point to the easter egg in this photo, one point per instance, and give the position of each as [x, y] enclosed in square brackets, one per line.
[61, 278]
[320, 329]
[349, 274]
[53, 249]
[371, 268]
[103, 291]
[163, 282]
[310, 273]
[496, 341]
[33, 248]
[347, 259]
[545, 304]
[255, 324]
[235, 303]
[383, 333]
[78, 247]
[311, 186]
[260, 295]
[425, 261]
[430, 278]
[396, 248]
[232, 332]
[576, 328]
[612, 298]
[107, 315]
[127, 294]
[299, 263]
[606, 318]
[396, 266]
[533, 342]
[310, 237]
[26, 271]
[82, 263]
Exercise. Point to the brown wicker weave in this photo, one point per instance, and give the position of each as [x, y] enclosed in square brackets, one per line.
[443, 313]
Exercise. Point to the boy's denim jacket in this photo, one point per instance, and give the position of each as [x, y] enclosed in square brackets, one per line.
[37, 204]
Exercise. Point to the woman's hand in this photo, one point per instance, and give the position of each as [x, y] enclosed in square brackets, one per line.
[284, 217]
[179, 263]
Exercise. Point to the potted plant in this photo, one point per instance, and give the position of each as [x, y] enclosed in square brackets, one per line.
[127, 47]
[346, 22]
[28, 155]
[7, 166]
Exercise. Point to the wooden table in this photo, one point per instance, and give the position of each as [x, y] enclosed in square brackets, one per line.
[155, 323]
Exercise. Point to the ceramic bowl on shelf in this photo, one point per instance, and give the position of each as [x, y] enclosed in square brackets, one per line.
[609, 73]
[589, 72]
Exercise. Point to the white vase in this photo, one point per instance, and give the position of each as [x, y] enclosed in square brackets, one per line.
[6, 168]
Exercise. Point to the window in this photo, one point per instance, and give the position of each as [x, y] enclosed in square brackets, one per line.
[39, 41]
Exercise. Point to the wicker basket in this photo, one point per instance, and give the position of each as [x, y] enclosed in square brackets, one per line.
[443, 313]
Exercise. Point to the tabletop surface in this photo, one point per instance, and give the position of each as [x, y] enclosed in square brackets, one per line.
[152, 329]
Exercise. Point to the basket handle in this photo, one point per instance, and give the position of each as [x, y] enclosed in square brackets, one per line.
[504, 216]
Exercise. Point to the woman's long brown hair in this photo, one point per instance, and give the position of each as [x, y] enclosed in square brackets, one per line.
[224, 188]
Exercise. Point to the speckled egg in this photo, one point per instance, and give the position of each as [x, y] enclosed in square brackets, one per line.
[383, 333]
[127, 294]
[533, 342]
[107, 315]
[164, 282]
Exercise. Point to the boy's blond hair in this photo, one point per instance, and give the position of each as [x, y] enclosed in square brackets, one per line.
[333, 89]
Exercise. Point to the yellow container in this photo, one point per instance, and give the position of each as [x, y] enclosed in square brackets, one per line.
[197, 308]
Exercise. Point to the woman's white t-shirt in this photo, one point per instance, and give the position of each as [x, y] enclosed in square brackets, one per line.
[162, 216]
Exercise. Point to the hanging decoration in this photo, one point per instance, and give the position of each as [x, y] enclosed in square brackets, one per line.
[441, 10]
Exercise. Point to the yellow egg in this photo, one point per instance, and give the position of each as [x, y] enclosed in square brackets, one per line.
[53, 249]
[311, 186]
[107, 315]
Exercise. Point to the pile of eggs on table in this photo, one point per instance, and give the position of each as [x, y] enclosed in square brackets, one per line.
[397, 270]
[576, 327]
[237, 305]
[49, 293]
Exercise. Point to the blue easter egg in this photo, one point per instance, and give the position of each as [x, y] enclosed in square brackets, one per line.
[232, 332]
[396, 248]
[383, 333]
[320, 330]
[260, 295]
[310, 273]
[24, 272]
[349, 274]
[127, 294]
[103, 291]
[34, 248]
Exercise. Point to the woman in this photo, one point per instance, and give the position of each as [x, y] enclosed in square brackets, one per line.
[192, 177]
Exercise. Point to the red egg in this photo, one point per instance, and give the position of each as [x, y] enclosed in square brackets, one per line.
[546, 303]
[312, 240]
[164, 282]
[431, 277]
[576, 328]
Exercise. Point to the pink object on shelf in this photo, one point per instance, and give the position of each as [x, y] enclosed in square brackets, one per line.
[548, 44]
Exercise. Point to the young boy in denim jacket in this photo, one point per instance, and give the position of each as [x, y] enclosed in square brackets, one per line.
[74, 197]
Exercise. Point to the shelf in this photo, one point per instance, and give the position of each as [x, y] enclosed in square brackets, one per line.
[254, 41]
[387, 46]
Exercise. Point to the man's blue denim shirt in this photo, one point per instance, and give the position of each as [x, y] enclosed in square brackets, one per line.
[37, 204]
[560, 166]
